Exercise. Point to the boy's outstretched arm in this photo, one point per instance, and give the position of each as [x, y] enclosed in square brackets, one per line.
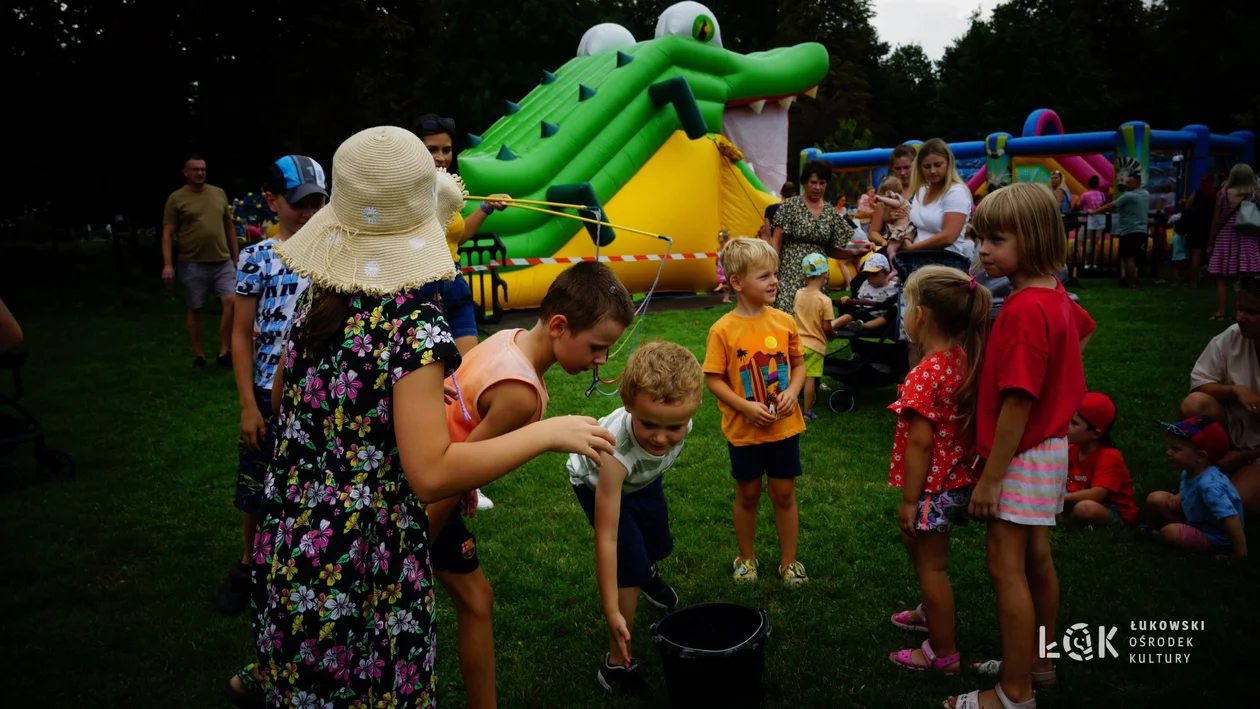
[509, 405]
[612, 474]
[253, 426]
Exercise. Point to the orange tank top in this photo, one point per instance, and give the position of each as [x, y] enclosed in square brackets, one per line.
[497, 359]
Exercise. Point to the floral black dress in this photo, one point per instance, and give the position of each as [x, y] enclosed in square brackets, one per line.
[803, 234]
[343, 592]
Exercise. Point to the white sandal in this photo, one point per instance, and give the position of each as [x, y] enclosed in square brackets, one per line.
[971, 700]
[1040, 680]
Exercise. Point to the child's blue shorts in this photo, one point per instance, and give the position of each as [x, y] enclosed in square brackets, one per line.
[643, 536]
[251, 469]
[457, 305]
[777, 459]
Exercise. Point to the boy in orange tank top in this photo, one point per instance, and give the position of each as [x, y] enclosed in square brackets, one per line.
[500, 388]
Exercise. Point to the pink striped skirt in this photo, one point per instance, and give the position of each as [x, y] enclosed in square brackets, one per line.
[1032, 489]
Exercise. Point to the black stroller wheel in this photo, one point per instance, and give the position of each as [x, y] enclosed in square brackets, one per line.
[57, 464]
[841, 402]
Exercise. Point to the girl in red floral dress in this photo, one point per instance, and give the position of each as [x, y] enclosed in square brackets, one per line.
[947, 316]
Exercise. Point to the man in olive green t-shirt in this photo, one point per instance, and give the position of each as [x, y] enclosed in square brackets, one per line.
[200, 218]
[1132, 209]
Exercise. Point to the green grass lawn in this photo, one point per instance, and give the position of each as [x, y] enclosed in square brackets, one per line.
[109, 578]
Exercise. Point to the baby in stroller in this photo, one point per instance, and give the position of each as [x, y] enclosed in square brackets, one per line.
[870, 308]
[877, 354]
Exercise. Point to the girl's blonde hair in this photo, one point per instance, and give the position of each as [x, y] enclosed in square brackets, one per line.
[892, 182]
[1241, 177]
[935, 146]
[1027, 212]
[959, 309]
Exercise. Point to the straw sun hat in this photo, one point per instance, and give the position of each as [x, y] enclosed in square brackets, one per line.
[383, 230]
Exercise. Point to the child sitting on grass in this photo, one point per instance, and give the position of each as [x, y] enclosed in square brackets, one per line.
[1099, 487]
[878, 287]
[623, 498]
[754, 365]
[813, 310]
[1206, 514]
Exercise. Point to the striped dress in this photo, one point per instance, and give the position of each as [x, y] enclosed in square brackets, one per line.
[1233, 253]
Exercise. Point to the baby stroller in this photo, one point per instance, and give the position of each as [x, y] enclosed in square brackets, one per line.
[878, 358]
[18, 427]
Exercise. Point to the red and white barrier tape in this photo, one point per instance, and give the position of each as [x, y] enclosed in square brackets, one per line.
[561, 260]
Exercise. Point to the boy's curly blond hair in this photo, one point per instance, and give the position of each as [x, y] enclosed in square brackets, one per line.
[665, 372]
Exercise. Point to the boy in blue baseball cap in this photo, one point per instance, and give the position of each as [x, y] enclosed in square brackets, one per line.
[266, 294]
[1206, 514]
[813, 311]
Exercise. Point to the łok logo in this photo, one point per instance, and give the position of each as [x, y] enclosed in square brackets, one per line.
[1078, 643]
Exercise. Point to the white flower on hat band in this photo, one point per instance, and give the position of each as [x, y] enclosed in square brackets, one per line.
[332, 238]
[371, 214]
[417, 242]
[371, 269]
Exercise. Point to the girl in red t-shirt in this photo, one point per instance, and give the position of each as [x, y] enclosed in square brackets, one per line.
[947, 316]
[1031, 383]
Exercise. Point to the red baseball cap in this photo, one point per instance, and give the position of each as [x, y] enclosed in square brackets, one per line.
[1204, 432]
[1098, 411]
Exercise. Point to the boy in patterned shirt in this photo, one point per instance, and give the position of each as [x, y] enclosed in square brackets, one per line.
[661, 391]
[266, 293]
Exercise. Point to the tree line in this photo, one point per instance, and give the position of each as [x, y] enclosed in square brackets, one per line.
[110, 97]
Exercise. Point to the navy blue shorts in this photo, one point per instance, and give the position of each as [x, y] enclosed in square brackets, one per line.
[778, 459]
[252, 464]
[643, 536]
[457, 304]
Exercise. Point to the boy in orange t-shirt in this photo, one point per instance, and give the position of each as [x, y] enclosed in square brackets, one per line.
[1099, 487]
[755, 366]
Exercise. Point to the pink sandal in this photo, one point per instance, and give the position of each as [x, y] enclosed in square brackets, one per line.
[905, 658]
[902, 620]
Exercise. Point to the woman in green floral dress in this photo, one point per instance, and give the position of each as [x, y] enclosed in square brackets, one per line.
[343, 595]
[805, 225]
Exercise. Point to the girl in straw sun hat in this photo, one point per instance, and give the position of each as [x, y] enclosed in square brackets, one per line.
[341, 554]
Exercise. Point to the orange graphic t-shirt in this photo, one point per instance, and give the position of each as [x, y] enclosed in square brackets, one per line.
[754, 356]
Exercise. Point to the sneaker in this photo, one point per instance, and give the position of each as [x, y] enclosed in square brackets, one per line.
[811, 416]
[659, 593]
[794, 574]
[619, 679]
[745, 571]
[855, 326]
[234, 593]
[483, 502]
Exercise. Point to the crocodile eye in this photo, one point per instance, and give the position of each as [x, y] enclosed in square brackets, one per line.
[690, 19]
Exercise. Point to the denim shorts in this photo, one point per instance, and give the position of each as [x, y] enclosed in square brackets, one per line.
[456, 300]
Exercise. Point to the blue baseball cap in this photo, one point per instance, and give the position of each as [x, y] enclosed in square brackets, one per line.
[296, 177]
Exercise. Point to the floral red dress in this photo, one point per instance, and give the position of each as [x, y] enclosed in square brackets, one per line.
[929, 391]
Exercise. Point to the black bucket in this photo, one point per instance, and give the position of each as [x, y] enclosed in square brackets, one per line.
[714, 654]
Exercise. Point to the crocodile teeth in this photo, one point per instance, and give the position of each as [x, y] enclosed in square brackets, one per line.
[757, 106]
[812, 93]
[786, 103]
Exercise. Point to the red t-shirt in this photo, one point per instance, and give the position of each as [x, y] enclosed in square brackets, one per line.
[1104, 468]
[1035, 346]
[929, 391]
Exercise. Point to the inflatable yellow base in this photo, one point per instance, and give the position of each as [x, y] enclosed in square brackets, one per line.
[687, 191]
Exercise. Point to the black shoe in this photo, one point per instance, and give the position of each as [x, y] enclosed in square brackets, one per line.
[234, 593]
[199, 362]
[627, 681]
[225, 360]
[659, 593]
[855, 326]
